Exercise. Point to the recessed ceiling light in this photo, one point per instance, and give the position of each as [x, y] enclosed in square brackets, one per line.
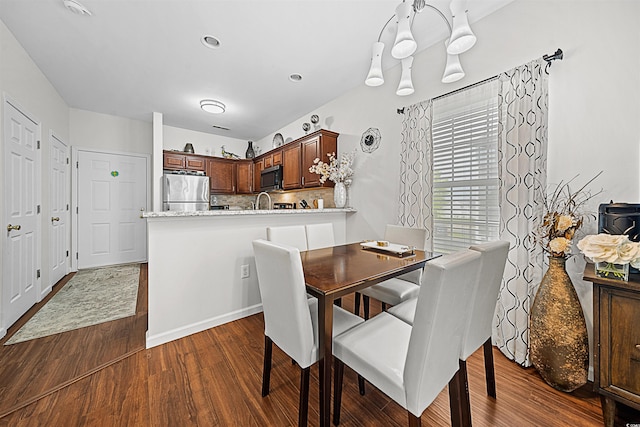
[295, 77]
[212, 106]
[210, 42]
[76, 7]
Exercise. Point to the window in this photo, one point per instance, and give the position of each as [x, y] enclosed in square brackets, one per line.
[465, 170]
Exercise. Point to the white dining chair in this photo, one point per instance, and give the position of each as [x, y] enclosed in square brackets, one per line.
[290, 235]
[493, 257]
[401, 288]
[320, 236]
[413, 364]
[290, 318]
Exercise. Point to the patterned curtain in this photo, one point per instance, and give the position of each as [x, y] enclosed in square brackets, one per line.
[522, 163]
[416, 174]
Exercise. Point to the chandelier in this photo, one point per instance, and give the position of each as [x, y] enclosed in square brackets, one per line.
[460, 40]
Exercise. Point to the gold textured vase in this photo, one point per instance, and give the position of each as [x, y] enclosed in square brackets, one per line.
[558, 334]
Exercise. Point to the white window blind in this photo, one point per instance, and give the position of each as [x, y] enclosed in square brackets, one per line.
[465, 173]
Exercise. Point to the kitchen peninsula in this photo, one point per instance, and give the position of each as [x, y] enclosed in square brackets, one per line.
[195, 263]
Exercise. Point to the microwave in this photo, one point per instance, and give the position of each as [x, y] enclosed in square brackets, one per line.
[271, 178]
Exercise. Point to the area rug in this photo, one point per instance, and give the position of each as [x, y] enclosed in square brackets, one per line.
[90, 297]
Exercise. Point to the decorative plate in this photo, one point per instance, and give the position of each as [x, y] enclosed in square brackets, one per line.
[278, 140]
[370, 140]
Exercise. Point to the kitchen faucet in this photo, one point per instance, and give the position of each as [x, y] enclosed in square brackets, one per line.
[257, 206]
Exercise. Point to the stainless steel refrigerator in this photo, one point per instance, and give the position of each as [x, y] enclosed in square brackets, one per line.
[185, 193]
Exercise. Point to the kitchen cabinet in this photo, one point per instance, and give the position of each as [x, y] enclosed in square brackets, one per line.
[244, 177]
[178, 161]
[616, 358]
[258, 166]
[227, 176]
[291, 167]
[272, 158]
[222, 175]
[317, 145]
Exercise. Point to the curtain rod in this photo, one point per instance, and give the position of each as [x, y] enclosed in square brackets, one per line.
[557, 55]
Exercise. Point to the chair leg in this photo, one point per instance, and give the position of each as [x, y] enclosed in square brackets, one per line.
[338, 373]
[459, 404]
[489, 372]
[413, 420]
[303, 408]
[266, 368]
[356, 304]
[361, 388]
[365, 303]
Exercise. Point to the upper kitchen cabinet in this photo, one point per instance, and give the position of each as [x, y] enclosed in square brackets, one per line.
[222, 175]
[291, 166]
[258, 166]
[317, 145]
[244, 177]
[228, 176]
[173, 160]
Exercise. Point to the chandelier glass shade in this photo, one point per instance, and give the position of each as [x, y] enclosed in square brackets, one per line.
[461, 39]
[375, 77]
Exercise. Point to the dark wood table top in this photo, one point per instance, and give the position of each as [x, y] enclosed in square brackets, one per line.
[341, 270]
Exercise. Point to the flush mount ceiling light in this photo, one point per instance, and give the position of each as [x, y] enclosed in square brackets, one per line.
[460, 40]
[212, 106]
[210, 41]
[76, 7]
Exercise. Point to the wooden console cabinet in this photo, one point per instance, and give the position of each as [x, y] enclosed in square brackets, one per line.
[616, 350]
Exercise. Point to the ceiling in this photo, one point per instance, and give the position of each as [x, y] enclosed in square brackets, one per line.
[133, 57]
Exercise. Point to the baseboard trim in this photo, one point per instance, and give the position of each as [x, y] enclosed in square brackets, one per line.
[174, 334]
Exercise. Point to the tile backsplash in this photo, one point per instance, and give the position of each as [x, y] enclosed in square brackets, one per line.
[244, 202]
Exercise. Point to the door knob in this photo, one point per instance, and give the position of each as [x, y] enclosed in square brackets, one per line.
[13, 227]
[55, 218]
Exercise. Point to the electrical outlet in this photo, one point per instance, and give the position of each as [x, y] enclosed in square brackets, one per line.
[244, 271]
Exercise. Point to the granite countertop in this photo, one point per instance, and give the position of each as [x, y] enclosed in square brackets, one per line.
[173, 214]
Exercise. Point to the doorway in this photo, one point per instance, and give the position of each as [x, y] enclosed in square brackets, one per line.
[112, 190]
[21, 243]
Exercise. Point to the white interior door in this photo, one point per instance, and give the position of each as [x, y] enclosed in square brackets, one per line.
[60, 190]
[112, 190]
[21, 242]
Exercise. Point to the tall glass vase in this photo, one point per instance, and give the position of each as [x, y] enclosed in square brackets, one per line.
[340, 195]
[558, 335]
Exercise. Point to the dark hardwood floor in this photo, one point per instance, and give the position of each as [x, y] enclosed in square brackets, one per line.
[213, 378]
[32, 369]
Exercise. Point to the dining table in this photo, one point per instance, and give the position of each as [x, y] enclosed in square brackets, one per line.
[334, 272]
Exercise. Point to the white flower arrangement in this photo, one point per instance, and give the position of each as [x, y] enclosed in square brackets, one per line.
[335, 170]
[611, 249]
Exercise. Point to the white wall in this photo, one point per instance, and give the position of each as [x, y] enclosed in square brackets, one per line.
[105, 132]
[194, 268]
[203, 143]
[23, 82]
[594, 105]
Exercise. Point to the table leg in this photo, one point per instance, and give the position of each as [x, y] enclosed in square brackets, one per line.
[325, 338]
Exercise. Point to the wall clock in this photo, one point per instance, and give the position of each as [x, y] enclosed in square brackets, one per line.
[370, 140]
